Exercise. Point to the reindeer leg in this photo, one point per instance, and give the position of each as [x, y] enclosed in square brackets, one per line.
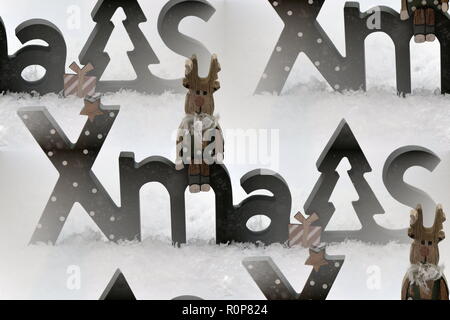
[430, 24]
[205, 177]
[194, 178]
[419, 25]
[404, 15]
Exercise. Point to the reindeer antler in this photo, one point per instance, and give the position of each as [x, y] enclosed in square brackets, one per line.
[418, 231]
[214, 70]
[438, 227]
[416, 223]
[191, 73]
[192, 78]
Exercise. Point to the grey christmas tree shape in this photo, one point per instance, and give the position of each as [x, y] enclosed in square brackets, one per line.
[344, 144]
[141, 57]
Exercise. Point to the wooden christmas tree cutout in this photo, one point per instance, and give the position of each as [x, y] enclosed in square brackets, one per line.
[141, 57]
[342, 144]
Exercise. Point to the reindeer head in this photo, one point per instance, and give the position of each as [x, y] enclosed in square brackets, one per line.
[425, 248]
[200, 98]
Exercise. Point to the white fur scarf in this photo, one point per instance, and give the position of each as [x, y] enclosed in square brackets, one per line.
[208, 122]
[420, 273]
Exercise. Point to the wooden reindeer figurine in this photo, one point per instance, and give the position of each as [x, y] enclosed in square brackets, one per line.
[199, 138]
[424, 17]
[424, 279]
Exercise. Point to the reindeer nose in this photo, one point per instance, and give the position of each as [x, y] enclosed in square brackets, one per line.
[424, 251]
[199, 101]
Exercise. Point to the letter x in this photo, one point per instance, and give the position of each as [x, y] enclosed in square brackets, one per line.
[77, 182]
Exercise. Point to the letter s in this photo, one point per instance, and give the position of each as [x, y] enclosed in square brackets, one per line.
[168, 27]
[394, 170]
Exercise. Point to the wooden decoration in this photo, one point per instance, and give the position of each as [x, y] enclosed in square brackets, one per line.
[79, 84]
[92, 108]
[425, 280]
[52, 58]
[394, 171]
[77, 183]
[304, 234]
[200, 139]
[275, 286]
[343, 144]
